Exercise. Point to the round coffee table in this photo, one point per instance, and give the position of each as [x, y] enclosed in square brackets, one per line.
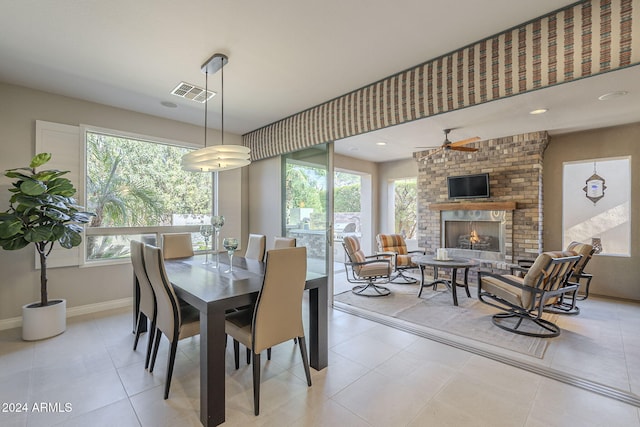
[454, 264]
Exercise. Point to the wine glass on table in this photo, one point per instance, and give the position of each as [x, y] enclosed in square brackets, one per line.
[206, 231]
[230, 244]
[217, 221]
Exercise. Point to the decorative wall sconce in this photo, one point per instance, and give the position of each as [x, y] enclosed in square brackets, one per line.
[594, 190]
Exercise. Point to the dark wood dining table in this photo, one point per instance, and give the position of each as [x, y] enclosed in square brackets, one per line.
[213, 292]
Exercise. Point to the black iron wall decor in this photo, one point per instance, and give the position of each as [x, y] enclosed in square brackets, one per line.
[594, 190]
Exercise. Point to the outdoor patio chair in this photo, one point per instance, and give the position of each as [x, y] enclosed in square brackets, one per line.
[395, 247]
[566, 303]
[522, 300]
[367, 271]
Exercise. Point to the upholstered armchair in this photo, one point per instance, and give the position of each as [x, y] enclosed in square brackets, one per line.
[522, 300]
[366, 271]
[586, 250]
[566, 304]
[395, 247]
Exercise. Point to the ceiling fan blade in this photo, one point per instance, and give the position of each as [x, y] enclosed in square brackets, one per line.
[465, 141]
[463, 148]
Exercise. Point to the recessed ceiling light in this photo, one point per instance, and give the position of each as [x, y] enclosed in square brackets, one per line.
[381, 143]
[612, 95]
[538, 111]
[168, 104]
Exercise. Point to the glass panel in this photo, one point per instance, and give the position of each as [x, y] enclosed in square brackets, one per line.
[306, 204]
[597, 210]
[406, 207]
[115, 246]
[139, 183]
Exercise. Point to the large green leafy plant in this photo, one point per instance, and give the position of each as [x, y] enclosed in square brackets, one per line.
[42, 211]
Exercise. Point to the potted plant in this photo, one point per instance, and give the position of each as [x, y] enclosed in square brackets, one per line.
[42, 211]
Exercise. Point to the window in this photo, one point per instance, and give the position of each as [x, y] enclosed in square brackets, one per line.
[606, 219]
[347, 211]
[405, 207]
[138, 190]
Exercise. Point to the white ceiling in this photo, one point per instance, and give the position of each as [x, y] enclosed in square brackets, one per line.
[284, 56]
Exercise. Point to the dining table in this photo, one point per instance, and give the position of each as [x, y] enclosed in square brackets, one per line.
[214, 291]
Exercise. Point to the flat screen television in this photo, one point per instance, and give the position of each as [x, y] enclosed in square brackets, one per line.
[468, 186]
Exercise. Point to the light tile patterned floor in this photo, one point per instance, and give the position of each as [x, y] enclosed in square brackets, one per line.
[377, 376]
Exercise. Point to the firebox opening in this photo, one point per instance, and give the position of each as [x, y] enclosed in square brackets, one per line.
[476, 235]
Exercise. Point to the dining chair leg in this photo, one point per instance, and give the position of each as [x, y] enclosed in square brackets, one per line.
[236, 353]
[172, 360]
[269, 353]
[256, 383]
[305, 359]
[248, 356]
[155, 350]
[138, 329]
[152, 334]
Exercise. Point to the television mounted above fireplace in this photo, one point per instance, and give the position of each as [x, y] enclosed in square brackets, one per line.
[468, 186]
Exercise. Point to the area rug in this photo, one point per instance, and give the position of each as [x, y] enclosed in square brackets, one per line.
[434, 309]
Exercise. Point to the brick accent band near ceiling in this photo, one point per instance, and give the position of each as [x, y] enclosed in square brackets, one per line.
[583, 40]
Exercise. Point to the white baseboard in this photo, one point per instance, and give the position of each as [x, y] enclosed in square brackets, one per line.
[16, 322]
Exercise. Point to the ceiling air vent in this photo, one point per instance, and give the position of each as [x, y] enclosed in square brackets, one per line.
[192, 92]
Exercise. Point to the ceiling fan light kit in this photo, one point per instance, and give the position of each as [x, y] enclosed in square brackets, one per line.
[220, 157]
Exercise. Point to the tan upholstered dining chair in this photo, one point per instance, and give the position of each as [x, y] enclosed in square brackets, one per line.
[367, 271]
[172, 320]
[284, 242]
[256, 247]
[395, 246]
[522, 300]
[147, 298]
[277, 316]
[177, 245]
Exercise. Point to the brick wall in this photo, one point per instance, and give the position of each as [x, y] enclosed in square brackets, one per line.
[514, 165]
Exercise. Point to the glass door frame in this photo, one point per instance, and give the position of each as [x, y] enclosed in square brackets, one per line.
[327, 165]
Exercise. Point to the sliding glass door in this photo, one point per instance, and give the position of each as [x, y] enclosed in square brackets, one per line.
[308, 204]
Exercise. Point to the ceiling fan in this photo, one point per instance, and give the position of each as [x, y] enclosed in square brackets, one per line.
[457, 146]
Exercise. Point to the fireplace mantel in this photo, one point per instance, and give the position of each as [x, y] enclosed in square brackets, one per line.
[473, 206]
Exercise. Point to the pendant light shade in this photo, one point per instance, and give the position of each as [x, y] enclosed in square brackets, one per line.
[216, 157]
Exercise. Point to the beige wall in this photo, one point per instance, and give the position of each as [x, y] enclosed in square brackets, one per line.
[265, 199]
[612, 275]
[19, 109]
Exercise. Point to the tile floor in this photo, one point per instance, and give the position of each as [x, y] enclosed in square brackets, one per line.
[600, 345]
[377, 376]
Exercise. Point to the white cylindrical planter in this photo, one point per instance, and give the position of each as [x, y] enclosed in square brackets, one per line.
[44, 322]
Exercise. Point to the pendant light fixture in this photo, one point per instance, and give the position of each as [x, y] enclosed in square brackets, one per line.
[216, 157]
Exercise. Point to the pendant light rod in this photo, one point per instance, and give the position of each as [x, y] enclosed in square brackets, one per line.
[222, 103]
[206, 103]
[216, 157]
[211, 66]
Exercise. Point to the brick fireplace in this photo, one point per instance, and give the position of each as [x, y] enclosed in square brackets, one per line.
[514, 165]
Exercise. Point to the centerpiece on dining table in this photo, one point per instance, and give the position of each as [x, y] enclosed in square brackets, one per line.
[217, 221]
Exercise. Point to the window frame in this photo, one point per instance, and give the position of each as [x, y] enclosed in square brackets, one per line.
[120, 231]
[629, 195]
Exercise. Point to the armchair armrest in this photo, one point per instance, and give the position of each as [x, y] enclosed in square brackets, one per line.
[418, 251]
[519, 269]
[369, 262]
[387, 253]
[502, 278]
